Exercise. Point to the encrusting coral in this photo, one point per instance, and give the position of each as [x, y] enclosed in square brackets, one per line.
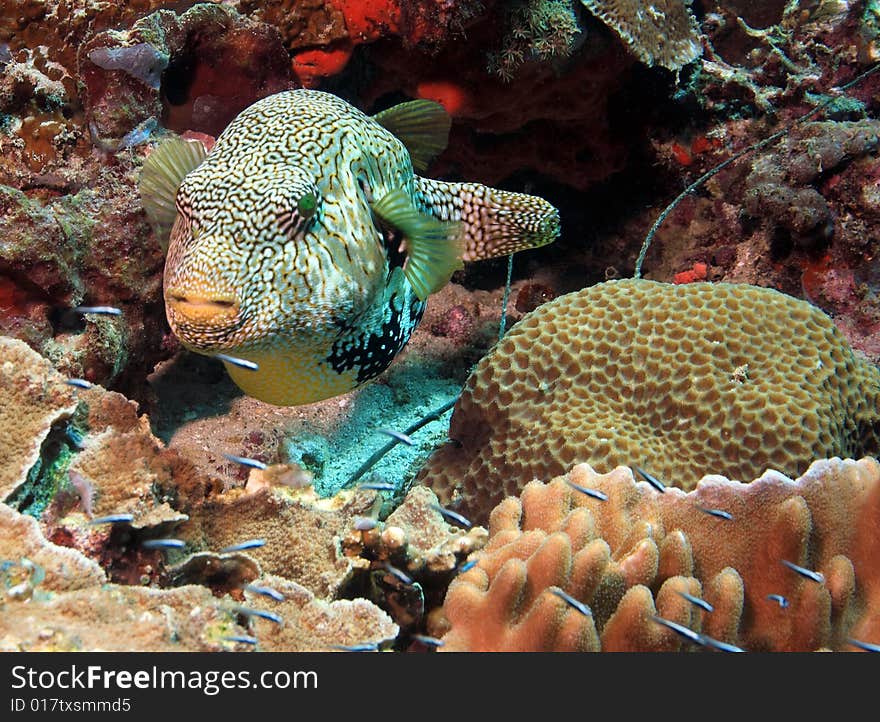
[29, 407]
[631, 556]
[69, 606]
[302, 532]
[674, 379]
[311, 624]
[658, 32]
[96, 436]
[417, 540]
[415, 536]
[62, 569]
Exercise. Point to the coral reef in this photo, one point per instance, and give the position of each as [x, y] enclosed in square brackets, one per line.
[535, 30]
[417, 540]
[29, 407]
[312, 625]
[673, 378]
[765, 66]
[415, 537]
[301, 531]
[61, 569]
[64, 25]
[71, 607]
[84, 455]
[115, 618]
[631, 556]
[799, 214]
[609, 108]
[196, 70]
[63, 251]
[659, 32]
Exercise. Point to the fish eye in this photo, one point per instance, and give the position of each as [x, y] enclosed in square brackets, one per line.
[307, 205]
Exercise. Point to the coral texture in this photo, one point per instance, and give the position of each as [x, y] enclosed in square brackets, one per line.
[796, 216]
[71, 455]
[302, 532]
[631, 556]
[116, 618]
[416, 537]
[29, 406]
[63, 26]
[55, 599]
[196, 70]
[535, 30]
[64, 569]
[313, 625]
[676, 379]
[86, 247]
[659, 32]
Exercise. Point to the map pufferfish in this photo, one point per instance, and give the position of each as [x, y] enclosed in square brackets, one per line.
[304, 243]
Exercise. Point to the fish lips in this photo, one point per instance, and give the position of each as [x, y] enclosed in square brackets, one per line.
[204, 324]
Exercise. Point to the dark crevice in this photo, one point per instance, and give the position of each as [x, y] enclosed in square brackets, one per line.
[48, 474]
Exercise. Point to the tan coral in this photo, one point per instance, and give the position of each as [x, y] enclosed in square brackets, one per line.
[658, 32]
[675, 379]
[630, 556]
[312, 625]
[301, 530]
[109, 463]
[65, 569]
[127, 469]
[116, 618]
[73, 608]
[417, 534]
[33, 397]
[127, 476]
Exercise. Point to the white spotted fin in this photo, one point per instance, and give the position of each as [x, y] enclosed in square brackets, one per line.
[164, 170]
[433, 248]
[493, 222]
[422, 126]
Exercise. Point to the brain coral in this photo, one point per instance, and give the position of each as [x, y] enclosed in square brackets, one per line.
[676, 379]
[631, 556]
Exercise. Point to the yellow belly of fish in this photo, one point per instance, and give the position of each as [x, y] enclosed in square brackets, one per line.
[291, 377]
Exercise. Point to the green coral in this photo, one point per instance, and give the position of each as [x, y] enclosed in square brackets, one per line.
[535, 30]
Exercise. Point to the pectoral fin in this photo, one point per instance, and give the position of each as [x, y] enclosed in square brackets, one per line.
[494, 222]
[422, 126]
[433, 248]
[164, 170]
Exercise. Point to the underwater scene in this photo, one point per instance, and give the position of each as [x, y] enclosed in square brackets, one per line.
[440, 325]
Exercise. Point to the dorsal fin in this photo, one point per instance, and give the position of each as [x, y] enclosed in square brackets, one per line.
[164, 170]
[433, 248]
[422, 126]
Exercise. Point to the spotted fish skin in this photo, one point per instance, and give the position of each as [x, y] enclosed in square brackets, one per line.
[311, 292]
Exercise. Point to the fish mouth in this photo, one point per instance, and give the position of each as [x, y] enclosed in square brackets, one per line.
[202, 308]
[201, 320]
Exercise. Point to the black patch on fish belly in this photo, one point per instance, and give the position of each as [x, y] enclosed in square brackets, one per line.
[371, 353]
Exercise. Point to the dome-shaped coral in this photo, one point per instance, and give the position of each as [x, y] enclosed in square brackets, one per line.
[678, 380]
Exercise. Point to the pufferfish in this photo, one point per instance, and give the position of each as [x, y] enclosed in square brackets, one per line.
[303, 247]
